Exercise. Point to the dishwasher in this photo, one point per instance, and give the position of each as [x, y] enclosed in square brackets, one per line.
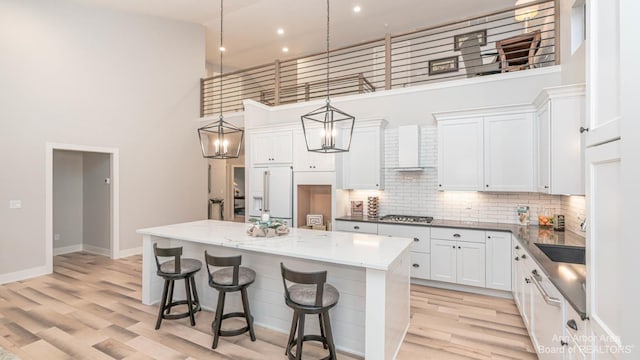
[547, 318]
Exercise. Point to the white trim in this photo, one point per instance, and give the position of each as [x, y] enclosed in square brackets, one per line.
[115, 196]
[67, 249]
[96, 250]
[24, 274]
[130, 252]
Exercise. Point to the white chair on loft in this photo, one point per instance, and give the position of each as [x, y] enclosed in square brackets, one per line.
[473, 61]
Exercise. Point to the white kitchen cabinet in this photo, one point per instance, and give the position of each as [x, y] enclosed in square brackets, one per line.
[443, 260]
[578, 335]
[560, 158]
[356, 226]
[361, 167]
[304, 160]
[509, 152]
[460, 154]
[605, 275]
[547, 322]
[470, 263]
[420, 249]
[498, 247]
[274, 147]
[522, 282]
[487, 149]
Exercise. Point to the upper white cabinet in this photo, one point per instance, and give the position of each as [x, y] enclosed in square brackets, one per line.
[274, 147]
[361, 167]
[509, 152]
[487, 149]
[460, 154]
[304, 160]
[560, 161]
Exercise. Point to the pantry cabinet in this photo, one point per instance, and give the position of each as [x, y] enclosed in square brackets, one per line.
[273, 147]
[487, 149]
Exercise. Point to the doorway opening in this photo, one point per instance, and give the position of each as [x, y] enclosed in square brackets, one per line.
[82, 191]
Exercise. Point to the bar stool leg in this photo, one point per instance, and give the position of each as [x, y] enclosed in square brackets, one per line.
[247, 313]
[162, 303]
[187, 288]
[217, 322]
[324, 338]
[170, 303]
[195, 292]
[300, 335]
[327, 325]
[292, 333]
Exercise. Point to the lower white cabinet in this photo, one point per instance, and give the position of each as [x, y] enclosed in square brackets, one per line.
[356, 226]
[420, 249]
[458, 262]
[498, 247]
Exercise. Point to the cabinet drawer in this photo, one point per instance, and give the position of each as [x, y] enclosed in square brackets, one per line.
[457, 234]
[356, 226]
[419, 234]
[420, 265]
[575, 326]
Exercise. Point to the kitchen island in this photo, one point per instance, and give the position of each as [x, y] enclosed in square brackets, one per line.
[371, 272]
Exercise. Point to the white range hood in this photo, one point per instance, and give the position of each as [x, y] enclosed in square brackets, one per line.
[409, 148]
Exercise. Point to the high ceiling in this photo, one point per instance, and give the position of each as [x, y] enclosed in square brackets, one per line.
[250, 25]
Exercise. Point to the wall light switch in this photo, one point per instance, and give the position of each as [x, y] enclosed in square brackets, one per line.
[15, 204]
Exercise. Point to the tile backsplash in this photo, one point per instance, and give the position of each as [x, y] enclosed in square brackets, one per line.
[415, 193]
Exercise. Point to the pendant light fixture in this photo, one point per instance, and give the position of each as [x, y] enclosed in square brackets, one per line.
[220, 139]
[328, 129]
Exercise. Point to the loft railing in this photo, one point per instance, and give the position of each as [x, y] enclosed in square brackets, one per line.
[476, 46]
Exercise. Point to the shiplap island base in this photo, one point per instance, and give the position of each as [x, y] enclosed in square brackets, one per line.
[371, 272]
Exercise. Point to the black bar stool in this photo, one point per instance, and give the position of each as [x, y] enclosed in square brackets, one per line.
[232, 277]
[310, 294]
[170, 271]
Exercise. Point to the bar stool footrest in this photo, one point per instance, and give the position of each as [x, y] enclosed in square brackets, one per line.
[195, 308]
[293, 343]
[234, 332]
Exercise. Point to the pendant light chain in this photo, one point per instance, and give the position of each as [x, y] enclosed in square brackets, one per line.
[328, 17]
[221, 46]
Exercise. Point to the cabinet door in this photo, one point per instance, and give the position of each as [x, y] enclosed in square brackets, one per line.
[509, 152]
[470, 259]
[498, 247]
[282, 147]
[420, 265]
[604, 238]
[443, 260]
[516, 285]
[460, 157]
[261, 148]
[544, 149]
[362, 167]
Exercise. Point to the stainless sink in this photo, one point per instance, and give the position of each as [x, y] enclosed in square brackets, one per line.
[563, 253]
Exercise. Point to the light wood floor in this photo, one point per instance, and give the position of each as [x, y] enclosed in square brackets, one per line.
[90, 308]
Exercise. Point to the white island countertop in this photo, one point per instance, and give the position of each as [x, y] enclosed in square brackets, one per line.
[360, 250]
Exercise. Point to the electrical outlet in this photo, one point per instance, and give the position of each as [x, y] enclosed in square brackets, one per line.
[56, 237]
[15, 204]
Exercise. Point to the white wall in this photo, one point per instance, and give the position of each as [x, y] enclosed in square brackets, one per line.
[85, 75]
[96, 199]
[67, 198]
[573, 62]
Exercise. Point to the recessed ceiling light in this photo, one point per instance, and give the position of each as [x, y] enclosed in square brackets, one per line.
[357, 9]
[285, 49]
[222, 48]
[280, 31]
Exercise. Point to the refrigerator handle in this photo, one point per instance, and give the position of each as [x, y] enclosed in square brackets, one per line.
[265, 193]
[209, 179]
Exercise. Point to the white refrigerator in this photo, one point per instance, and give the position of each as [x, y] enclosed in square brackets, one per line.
[272, 191]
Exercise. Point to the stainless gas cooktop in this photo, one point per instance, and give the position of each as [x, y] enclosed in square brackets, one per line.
[407, 219]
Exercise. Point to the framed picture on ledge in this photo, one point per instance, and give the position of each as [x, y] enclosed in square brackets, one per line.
[444, 65]
[460, 38]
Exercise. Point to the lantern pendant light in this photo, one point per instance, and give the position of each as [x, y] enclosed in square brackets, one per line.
[220, 139]
[327, 129]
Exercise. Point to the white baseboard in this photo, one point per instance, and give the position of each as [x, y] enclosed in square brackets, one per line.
[23, 274]
[67, 249]
[96, 250]
[465, 288]
[130, 252]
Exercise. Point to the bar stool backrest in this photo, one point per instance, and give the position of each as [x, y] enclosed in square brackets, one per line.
[313, 278]
[218, 261]
[176, 253]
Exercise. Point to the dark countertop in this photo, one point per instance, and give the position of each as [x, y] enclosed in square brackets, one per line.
[569, 279]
